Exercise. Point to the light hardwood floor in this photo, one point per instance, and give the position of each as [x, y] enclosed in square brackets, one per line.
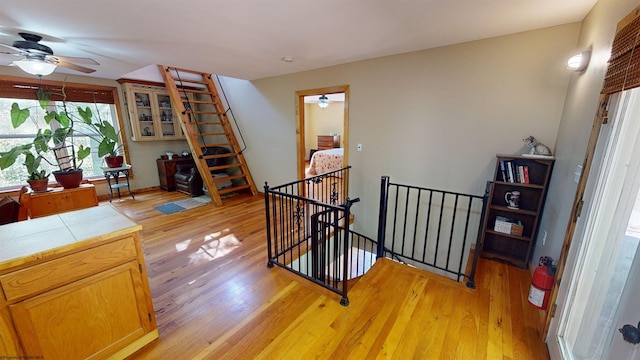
[215, 299]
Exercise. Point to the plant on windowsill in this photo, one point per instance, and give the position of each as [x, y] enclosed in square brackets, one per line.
[38, 178]
[69, 157]
[107, 136]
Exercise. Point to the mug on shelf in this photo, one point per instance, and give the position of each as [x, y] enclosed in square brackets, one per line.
[513, 199]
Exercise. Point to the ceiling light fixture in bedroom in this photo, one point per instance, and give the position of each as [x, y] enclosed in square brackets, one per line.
[323, 101]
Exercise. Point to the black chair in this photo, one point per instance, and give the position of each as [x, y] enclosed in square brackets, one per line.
[188, 180]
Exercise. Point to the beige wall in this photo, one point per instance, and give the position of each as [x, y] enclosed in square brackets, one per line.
[597, 31]
[434, 118]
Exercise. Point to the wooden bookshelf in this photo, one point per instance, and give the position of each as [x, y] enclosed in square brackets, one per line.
[513, 248]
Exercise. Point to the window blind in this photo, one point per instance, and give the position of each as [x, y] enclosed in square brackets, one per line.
[19, 88]
[623, 71]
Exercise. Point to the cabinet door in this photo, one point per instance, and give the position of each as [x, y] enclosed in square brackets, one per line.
[167, 125]
[142, 114]
[90, 318]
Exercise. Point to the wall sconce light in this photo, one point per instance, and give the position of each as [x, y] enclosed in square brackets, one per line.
[579, 62]
[323, 101]
[35, 66]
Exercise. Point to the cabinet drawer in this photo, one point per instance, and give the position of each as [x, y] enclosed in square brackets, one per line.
[54, 273]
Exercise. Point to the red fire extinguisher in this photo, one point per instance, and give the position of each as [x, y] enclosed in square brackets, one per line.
[542, 283]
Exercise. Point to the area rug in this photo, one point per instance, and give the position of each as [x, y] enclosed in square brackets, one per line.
[182, 205]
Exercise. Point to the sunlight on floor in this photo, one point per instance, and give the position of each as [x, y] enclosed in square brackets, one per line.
[215, 245]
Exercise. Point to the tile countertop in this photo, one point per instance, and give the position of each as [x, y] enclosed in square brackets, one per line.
[33, 239]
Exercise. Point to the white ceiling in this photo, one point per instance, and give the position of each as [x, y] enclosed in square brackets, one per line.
[247, 39]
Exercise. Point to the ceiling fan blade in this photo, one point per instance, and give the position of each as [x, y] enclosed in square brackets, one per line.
[81, 60]
[15, 49]
[75, 67]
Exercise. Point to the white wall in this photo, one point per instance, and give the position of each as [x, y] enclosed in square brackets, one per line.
[434, 118]
[597, 31]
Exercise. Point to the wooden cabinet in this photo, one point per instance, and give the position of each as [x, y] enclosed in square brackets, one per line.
[59, 200]
[167, 168]
[151, 113]
[326, 142]
[509, 233]
[70, 291]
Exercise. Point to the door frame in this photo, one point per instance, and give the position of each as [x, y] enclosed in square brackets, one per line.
[300, 123]
[600, 119]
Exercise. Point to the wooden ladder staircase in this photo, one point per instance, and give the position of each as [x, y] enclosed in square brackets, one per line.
[206, 126]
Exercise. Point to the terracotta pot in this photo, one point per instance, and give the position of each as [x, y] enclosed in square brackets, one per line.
[68, 179]
[39, 185]
[114, 161]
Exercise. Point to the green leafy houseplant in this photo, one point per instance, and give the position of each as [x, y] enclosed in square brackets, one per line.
[106, 135]
[60, 141]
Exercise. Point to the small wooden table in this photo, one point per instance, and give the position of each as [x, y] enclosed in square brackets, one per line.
[114, 173]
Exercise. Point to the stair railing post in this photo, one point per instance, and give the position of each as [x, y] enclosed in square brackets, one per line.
[382, 216]
[268, 214]
[345, 250]
[476, 253]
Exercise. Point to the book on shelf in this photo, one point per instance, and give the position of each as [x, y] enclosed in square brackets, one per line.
[503, 172]
[521, 173]
[510, 172]
[526, 174]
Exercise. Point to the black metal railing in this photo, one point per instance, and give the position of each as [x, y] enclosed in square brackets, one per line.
[430, 228]
[308, 231]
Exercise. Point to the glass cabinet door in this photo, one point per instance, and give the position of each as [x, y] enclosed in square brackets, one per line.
[144, 114]
[167, 115]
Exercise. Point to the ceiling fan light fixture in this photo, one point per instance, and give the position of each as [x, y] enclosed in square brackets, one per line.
[323, 101]
[35, 66]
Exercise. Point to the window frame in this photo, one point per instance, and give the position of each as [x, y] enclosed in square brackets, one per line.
[20, 87]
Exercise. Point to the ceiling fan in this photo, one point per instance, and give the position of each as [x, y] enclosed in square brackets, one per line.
[38, 59]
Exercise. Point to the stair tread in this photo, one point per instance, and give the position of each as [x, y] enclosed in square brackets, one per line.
[219, 144]
[228, 177]
[212, 134]
[223, 167]
[217, 156]
[233, 188]
[203, 112]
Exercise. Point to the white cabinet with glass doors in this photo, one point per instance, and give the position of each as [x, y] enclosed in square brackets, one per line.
[151, 113]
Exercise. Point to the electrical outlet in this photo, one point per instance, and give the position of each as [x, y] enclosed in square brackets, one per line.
[359, 147]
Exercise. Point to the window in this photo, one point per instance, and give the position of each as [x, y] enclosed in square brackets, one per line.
[101, 101]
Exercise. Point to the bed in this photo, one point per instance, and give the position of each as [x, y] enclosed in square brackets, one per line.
[325, 161]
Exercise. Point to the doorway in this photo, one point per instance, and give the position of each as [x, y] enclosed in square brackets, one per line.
[602, 281]
[304, 132]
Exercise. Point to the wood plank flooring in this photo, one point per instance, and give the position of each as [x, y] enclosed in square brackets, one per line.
[215, 299]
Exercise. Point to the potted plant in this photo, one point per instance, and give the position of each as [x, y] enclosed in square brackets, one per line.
[60, 141]
[38, 178]
[106, 135]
